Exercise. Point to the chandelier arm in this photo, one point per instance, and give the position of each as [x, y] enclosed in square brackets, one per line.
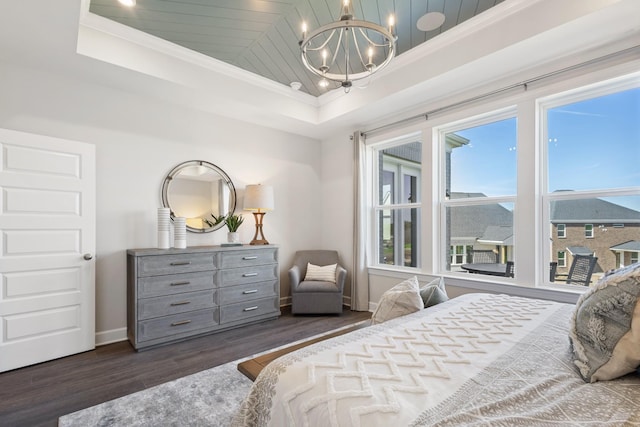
[323, 45]
[335, 53]
[372, 43]
[355, 42]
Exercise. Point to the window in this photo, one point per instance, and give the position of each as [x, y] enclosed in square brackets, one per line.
[562, 231]
[459, 254]
[562, 259]
[634, 257]
[479, 187]
[536, 176]
[588, 231]
[592, 150]
[398, 208]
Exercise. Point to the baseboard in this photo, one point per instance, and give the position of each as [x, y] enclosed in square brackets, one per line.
[109, 337]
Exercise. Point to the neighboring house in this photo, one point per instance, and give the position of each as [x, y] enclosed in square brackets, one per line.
[594, 227]
[578, 227]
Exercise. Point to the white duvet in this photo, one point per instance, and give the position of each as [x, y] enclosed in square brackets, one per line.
[421, 369]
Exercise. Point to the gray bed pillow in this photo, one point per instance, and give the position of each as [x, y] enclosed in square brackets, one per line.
[403, 298]
[433, 292]
[605, 329]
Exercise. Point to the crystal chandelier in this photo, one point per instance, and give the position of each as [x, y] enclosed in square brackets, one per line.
[348, 49]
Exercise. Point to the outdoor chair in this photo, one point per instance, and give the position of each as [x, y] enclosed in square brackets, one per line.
[510, 270]
[581, 269]
[553, 267]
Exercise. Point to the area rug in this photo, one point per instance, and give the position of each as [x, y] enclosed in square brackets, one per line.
[207, 398]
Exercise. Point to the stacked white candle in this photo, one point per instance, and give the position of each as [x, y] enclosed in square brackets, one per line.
[164, 232]
[179, 232]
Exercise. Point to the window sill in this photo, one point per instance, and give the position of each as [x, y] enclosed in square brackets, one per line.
[561, 293]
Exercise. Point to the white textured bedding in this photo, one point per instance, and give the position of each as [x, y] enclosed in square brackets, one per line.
[475, 360]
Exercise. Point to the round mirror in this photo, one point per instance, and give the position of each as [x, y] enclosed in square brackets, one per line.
[201, 192]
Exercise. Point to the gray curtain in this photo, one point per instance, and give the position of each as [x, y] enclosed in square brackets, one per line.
[360, 276]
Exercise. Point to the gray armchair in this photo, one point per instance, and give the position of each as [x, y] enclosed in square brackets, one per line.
[311, 297]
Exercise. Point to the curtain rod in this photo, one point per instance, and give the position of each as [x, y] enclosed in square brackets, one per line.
[523, 84]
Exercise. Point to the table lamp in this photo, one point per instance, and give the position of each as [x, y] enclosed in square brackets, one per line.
[258, 198]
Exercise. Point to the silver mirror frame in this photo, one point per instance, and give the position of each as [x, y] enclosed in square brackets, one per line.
[188, 164]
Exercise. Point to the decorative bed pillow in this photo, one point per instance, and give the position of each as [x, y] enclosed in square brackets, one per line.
[403, 298]
[325, 273]
[434, 293]
[605, 330]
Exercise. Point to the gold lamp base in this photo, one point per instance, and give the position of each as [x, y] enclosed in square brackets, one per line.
[262, 241]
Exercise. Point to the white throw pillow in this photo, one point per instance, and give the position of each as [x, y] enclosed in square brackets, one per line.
[403, 298]
[325, 273]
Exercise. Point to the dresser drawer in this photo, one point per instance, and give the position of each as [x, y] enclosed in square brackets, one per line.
[173, 304]
[171, 264]
[155, 286]
[248, 258]
[247, 310]
[177, 324]
[247, 292]
[237, 276]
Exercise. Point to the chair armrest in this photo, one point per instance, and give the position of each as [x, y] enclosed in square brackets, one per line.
[294, 277]
[341, 275]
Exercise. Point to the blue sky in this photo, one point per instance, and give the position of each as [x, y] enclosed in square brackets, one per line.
[593, 144]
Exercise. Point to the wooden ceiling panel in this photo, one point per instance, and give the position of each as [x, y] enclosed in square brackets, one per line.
[261, 36]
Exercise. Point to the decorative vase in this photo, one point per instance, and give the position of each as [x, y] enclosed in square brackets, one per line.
[164, 241]
[179, 233]
[233, 237]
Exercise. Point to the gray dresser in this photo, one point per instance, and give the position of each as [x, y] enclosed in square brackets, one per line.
[173, 294]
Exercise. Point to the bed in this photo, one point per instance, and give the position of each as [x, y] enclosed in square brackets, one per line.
[477, 359]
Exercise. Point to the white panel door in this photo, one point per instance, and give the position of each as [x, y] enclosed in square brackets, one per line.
[47, 229]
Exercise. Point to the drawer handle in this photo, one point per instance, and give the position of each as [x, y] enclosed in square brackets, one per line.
[249, 274]
[249, 257]
[255, 307]
[173, 304]
[179, 283]
[182, 322]
[253, 291]
[181, 263]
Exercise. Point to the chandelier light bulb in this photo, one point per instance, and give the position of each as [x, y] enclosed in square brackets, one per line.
[304, 29]
[128, 3]
[392, 23]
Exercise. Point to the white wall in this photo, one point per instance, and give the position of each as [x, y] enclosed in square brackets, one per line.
[138, 140]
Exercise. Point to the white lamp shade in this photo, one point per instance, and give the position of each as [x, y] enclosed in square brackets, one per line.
[258, 198]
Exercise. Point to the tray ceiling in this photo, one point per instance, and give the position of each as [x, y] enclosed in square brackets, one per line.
[261, 36]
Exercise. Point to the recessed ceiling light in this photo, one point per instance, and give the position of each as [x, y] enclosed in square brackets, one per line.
[128, 3]
[430, 21]
[295, 85]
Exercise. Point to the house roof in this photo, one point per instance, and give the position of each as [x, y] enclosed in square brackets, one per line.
[498, 235]
[472, 222]
[579, 250]
[630, 246]
[591, 210]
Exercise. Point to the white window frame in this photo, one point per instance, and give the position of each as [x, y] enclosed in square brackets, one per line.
[562, 235]
[588, 231]
[532, 195]
[562, 261]
[442, 201]
[396, 208]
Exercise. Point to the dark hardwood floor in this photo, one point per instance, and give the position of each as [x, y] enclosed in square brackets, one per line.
[39, 394]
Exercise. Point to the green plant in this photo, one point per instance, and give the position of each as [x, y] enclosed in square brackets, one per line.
[233, 222]
[216, 220]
